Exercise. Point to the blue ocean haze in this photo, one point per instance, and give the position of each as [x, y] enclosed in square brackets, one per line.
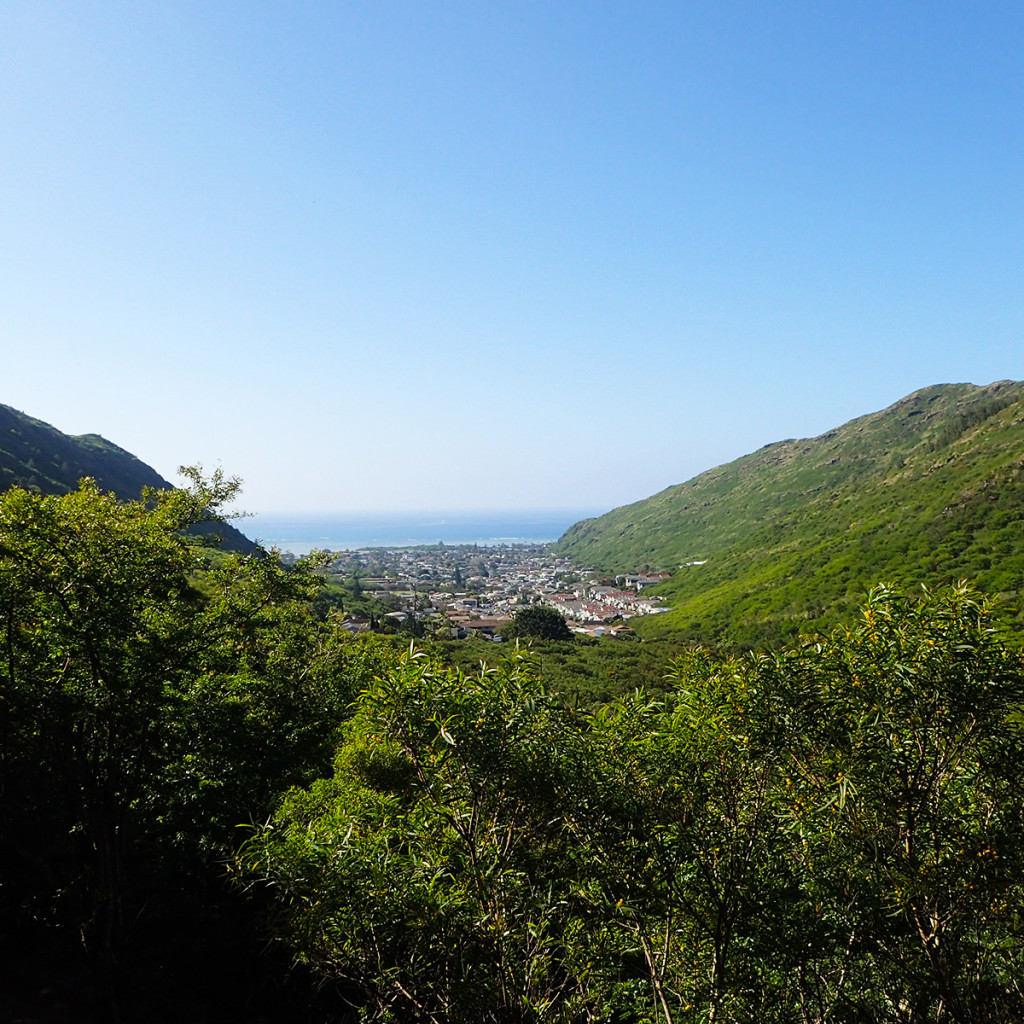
[301, 532]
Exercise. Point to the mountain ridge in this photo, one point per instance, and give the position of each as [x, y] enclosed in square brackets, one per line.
[928, 489]
[38, 457]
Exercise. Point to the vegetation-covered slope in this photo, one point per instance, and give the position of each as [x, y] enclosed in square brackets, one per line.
[831, 833]
[42, 459]
[927, 490]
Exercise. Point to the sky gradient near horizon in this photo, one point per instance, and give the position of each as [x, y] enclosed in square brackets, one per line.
[485, 255]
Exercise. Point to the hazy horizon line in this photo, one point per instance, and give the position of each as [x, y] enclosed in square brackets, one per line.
[469, 511]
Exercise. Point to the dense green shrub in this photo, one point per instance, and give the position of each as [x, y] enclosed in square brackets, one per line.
[832, 833]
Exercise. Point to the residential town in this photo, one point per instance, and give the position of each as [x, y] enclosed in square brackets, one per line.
[470, 589]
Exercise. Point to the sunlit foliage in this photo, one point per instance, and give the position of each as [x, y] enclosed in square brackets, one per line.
[829, 834]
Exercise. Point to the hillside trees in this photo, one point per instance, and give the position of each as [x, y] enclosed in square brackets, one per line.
[429, 878]
[146, 705]
[826, 834]
[831, 833]
[539, 622]
[906, 793]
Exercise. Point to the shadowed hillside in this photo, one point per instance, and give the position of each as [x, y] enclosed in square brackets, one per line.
[40, 458]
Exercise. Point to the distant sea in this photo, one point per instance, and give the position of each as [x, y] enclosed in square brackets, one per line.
[301, 532]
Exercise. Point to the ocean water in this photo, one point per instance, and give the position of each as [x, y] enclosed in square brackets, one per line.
[301, 532]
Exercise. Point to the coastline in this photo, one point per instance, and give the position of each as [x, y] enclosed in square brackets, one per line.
[301, 532]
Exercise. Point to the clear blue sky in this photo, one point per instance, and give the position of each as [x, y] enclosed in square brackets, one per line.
[386, 255]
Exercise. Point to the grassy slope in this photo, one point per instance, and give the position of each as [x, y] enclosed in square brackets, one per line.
[927, 490]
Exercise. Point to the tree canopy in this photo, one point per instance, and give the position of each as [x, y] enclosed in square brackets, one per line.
[833, 833]
[148, 704]
[537, 621]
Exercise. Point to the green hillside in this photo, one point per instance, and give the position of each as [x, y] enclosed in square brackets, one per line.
[42, 459]
[927, 490]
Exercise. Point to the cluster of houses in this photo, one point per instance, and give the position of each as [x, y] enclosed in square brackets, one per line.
[589, 604]
[476, 590]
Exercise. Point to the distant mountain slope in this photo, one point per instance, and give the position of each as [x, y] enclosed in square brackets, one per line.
[38, 457]
[927, 490]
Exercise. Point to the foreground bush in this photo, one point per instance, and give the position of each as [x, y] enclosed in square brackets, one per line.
[148, 704]
[830, 834]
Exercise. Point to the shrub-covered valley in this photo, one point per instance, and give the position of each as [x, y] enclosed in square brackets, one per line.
[794, 797]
